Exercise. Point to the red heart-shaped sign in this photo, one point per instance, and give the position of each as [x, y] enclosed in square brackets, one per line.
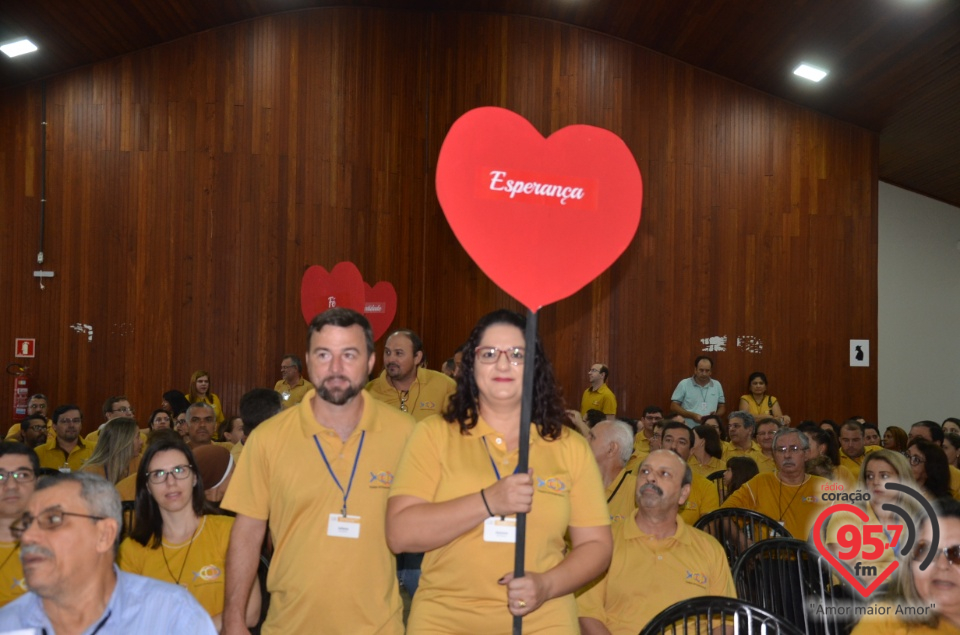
[380, 306]
[848, 575]
[320, 290]
[541, 217]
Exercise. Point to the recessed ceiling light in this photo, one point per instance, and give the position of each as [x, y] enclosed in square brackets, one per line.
[12, 49]
[812, 73]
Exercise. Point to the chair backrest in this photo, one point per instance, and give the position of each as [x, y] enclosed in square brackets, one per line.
[717, 478]
[737, 529]
[128, 508]
[788, 577]
[706, 614]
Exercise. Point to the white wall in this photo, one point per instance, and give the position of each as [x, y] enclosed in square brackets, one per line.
[918, 352]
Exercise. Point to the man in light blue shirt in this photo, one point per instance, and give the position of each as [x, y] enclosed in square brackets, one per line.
[699, 395]
[68, 539]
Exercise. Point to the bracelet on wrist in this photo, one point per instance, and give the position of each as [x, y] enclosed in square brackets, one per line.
[485, 503]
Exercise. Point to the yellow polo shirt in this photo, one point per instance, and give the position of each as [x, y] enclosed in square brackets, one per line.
[730, 450]
[703, 499]
[706, 469]
[765, 463]
[647, 575]
[641, 444]
[197, 566]
[601, 399]
[292, 395]
[127, 488]
[428, 395]
[891, 624]
[458, 587]
[854, 464]
[282, 478]
[955, 482]
[796, 507]
[12, 582]
[621, 495]
[52, 456]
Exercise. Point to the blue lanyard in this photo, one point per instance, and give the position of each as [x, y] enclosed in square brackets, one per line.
[492, 462]
[353, 472]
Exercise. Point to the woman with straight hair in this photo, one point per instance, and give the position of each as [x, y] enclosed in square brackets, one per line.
[117, 452]
[201, 390]
[930, 468]
[176, 536]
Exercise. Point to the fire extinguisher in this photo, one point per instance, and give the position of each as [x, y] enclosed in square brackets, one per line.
[22, 389]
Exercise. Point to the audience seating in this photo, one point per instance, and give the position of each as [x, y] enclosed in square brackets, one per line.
[787, 576]
[705, 614]
[717, 478]
[737, 529]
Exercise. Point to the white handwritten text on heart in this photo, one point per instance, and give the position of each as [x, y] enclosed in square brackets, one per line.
[541, 189]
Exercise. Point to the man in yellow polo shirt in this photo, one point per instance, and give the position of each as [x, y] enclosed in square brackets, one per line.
[612, 445]
[658, 560]
[406, 386]
[852, 447]
[67, 451]
[292, 388]
[598, 396]
[652, 416]
[37, 405]
[789, 496]
[740, 428]
[704, 497]
[320, 474]
[766, 429]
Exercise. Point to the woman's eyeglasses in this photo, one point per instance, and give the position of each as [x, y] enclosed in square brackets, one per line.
[490, 354]
[914, 459]
[952, 552]
[160, 476]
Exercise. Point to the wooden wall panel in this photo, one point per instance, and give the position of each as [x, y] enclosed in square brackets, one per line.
[190, 185]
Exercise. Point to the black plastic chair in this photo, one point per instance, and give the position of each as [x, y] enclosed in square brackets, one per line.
[787, 576]
[128, 508]
[737, 529]
[263, 568]
[716, 614]
[717, 478]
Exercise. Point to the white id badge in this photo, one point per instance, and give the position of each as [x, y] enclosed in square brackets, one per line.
[343, 526]
[496, 529]
[703, 406]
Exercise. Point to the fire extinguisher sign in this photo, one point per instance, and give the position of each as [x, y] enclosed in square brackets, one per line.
[26, 347]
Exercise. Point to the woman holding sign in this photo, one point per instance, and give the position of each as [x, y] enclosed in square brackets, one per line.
[455, 496]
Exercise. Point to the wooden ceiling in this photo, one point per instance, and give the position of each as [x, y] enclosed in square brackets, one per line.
[894, 64]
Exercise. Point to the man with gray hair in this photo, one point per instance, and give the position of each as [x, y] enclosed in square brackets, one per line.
[201, 424]
[68, 541]
[654, 544]
[790, 496]
[740, 428]
[612, 445]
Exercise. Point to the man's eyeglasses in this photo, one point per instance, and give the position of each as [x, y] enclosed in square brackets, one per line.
[37, 428]
[788, 449]
[47, 519]
[914, 459]
[952, 552]
[490, 354]
[17, 476]
[179, 472]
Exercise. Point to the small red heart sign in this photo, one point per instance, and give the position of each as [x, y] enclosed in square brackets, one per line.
[380, 306]
[320, 290]
[848, 575]
[541, 217]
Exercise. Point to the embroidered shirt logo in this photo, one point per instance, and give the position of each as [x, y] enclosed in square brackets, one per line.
[381, 479]
[208, 573]
[552, 484]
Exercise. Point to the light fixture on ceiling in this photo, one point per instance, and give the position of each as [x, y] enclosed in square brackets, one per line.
[812, 73]
[18, 47]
